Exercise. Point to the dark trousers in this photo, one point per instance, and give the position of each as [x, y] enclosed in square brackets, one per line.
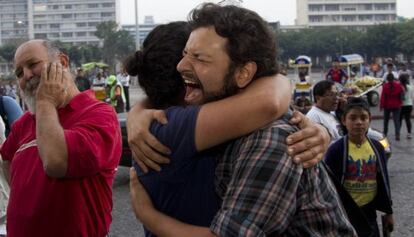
[406, 115]
[395, 116]
[371, 215]
[126, 92]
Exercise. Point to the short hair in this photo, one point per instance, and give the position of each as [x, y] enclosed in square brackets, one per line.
[355, 102]
[52, 48]
[156, 64]
[321, 88]
[249, 36]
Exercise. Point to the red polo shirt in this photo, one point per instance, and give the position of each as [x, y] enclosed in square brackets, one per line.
[79, 204]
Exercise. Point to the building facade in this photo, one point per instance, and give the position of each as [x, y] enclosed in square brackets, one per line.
[72, 21]
[349, 13]
[144, 29]
[13, 20]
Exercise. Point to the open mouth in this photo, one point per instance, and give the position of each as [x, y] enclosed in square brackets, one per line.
[191, 84]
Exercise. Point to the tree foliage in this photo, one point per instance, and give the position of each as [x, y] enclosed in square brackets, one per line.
[117, 44]
[383, 40]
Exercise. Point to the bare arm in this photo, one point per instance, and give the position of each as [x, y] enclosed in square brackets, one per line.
[50, 138]
[155, 221]
[261, 102]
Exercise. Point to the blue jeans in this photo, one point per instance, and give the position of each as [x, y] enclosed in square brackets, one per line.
[395, 117]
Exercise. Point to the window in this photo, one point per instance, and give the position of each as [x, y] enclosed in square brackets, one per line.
[40, 36]
[67, 34]
[381, 6]
[107, 5]
[348, 18]
[81, 34]
[54, 26]
[332, 7]
[82, 24]
[53, 35]
[107, 14]
[93, 24]
[368, 7]
[55, 7]
[68, 6]
[94, 5]
[315, 8]
[315, 18]
[66, 16]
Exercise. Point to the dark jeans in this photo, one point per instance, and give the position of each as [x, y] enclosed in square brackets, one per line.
[395, 117]
[126, 92]
[406, 115]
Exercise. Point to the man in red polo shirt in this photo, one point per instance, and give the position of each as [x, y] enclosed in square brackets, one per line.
[62, 154]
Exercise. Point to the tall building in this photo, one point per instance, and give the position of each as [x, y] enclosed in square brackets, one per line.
[13, 20]
[144, 29]
[350, 13]
[72, 21]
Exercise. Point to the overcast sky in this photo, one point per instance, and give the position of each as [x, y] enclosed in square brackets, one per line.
[271, 10]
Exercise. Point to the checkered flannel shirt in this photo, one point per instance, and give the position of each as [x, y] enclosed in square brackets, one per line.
[265, 194]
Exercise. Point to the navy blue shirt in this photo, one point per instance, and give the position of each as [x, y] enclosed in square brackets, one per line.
[184, 189]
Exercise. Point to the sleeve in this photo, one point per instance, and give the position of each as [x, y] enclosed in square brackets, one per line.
[12, 109]
[179, 133]
[333, 159]
[261, 194]
[382, 99]
[94, 143]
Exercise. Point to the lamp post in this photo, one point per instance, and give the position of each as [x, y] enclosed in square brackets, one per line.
[137, 43]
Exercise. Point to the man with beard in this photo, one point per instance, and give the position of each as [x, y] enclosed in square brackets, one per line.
[62, 154]
[263, 192]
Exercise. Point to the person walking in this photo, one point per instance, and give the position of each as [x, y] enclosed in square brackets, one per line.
[407, 102]
[360, 165]
[390, 102]
[124, 79]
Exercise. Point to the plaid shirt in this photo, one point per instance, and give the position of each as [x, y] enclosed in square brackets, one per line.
[265, 194]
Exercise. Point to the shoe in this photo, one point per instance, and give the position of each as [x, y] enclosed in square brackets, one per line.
[397, 137]
[409, 136]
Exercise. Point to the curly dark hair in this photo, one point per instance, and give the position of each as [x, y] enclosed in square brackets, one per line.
[156, 64]
[249, 36]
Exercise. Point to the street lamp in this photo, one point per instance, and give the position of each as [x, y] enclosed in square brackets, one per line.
[137, 43]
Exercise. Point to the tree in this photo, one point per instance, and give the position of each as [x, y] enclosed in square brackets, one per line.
[405, 39]
[7, 52]
[117, 44]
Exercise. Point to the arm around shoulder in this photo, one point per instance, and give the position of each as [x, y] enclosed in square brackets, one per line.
[263, 101]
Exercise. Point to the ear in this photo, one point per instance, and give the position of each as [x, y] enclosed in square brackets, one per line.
[64, 60]
[245, 74]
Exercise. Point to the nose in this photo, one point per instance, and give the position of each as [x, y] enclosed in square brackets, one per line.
[183, 65]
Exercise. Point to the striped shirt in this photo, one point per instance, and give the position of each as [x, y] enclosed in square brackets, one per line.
[265, 194]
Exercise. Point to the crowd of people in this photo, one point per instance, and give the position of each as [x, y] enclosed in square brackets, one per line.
[217, 149]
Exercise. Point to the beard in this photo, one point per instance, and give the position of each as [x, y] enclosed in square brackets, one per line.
[229, 88]
[29, 93]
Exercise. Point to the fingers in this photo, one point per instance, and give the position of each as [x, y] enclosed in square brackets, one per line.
[296, 118]
[140, 157]
[160, 116]
[44, 75]
[154, 144]
[300, 137]
[141, 164]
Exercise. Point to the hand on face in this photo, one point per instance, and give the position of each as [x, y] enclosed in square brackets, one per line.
[54, 83]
